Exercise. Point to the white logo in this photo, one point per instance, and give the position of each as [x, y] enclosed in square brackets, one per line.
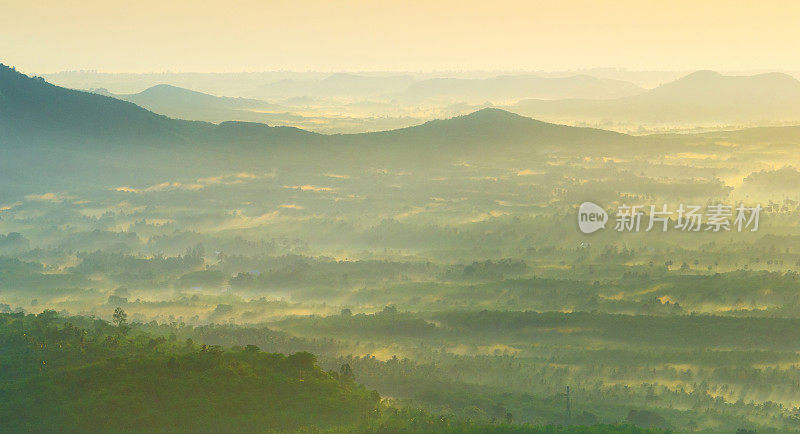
[591, 217]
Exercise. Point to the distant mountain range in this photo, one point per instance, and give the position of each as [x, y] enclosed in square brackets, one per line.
[703, 97]
[180, 103]
[164, 94]
[32, 107]
[515, 87]
[700, 99]
[335, 85]
[60, 137]
[183, 103]
[49, 131]
[407, 89]
[56, 137]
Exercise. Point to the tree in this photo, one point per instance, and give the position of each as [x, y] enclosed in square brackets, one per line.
[121, 320]
[647, 419]
[120, 317]
[346, 372]
[303, 360]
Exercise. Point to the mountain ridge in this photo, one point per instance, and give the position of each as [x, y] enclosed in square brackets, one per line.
[33, 104]
[487, 121]
[192, 96]
[517, 87]
[701, 97]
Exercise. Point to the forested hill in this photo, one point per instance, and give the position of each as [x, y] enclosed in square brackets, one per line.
[81, 374]
[53, 138]
[30, 105]
[99, 377]
[32, 108]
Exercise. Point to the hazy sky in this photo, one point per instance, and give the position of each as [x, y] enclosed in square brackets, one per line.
[235, 35]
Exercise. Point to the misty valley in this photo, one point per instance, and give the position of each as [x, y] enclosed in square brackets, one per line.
[159, 274]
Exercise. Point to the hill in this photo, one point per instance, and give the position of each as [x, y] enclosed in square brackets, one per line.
[517, 87]
[107, 379]
[703, 97]
[489, 135]
[32, 107]
[94, 376]
[709, 87]
[54, 137]
[29, 104]
[167, 94]
[339, 85]
[183, 103]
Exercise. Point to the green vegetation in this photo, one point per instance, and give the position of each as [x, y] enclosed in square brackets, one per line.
[438, 265]
[118, 378]
[60, 376]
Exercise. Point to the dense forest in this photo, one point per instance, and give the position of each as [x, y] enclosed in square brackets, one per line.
[79, 374]
[167, 275]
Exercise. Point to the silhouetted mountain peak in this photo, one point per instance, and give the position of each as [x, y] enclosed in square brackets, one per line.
[9, 76]
[175, 101]
[340, 77]
[487, 119]
[703, 75]
[505, 87]
[34, 105]
[166, 89]
[30, 105]
[8, 69]
[493, 128]
[493, 114]
[170, 91]
[777, 78]
[710, 88]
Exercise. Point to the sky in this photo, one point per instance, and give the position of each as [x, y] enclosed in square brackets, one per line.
[48, 36]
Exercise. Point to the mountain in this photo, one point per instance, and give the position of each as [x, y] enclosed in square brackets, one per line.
[168, 95]
[52, 137]
[488, 135]
[493, 124]
[44, 106]
[712, 88]
[703, 97]
[183, 103]
[180, 103]
[336, 85]
[31, 106]
[58, 137]
[517, 87]
[176, 387]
